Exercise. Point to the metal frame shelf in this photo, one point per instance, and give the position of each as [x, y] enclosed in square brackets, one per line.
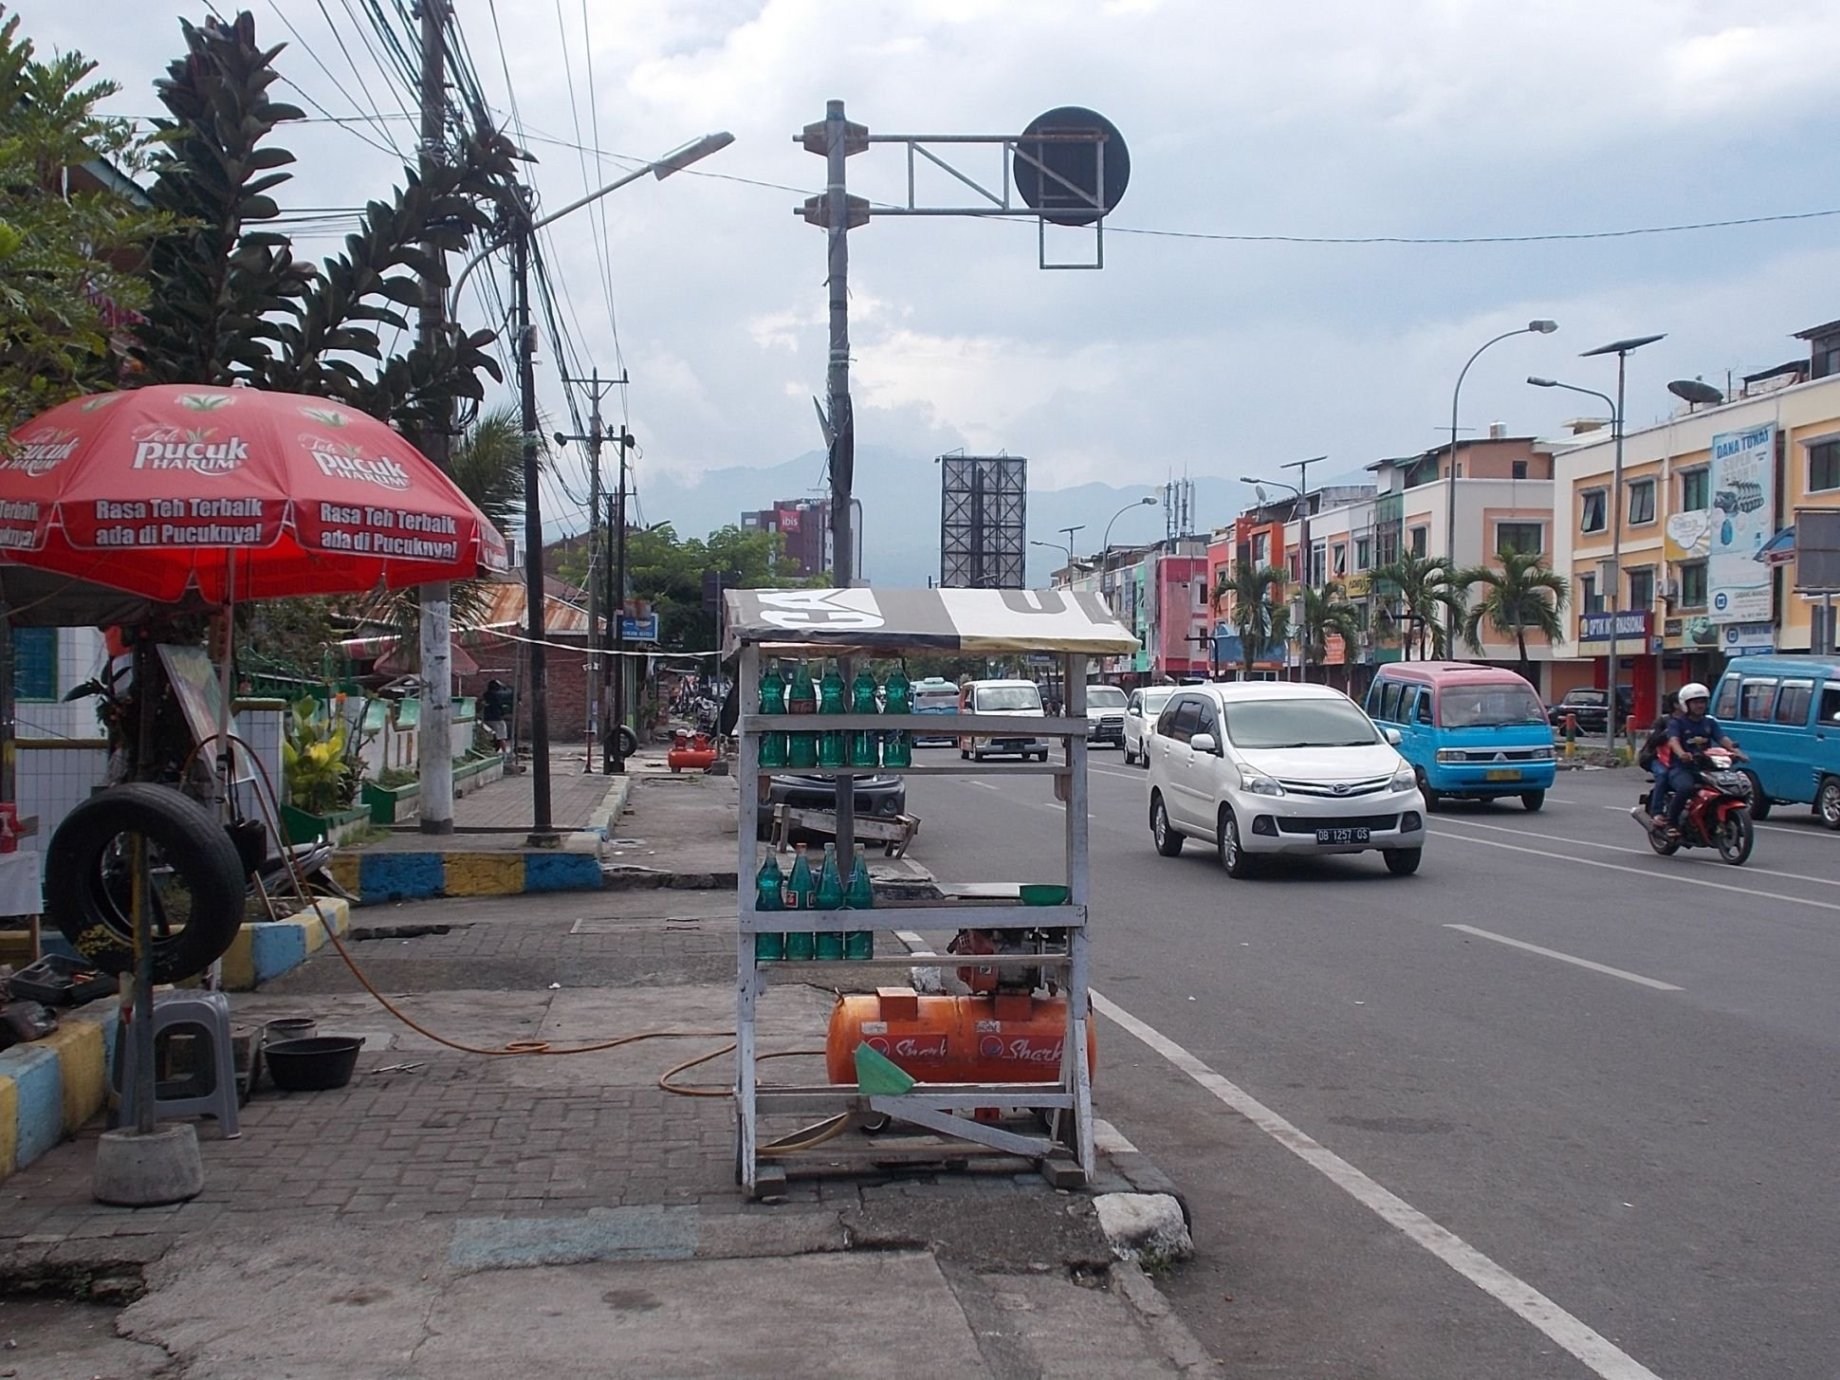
[942, 1112]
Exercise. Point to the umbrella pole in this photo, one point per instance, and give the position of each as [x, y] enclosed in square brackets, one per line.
[226, 754]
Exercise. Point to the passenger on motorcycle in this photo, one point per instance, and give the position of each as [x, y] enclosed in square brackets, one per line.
[1689, 734]
[1657, 758]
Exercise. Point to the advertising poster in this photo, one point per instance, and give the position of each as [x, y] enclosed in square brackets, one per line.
[1743, 515]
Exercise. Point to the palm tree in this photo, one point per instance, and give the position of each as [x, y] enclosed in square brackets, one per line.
[1429, 587]
[1261, 622]
[1522, 594]
[1326, 613]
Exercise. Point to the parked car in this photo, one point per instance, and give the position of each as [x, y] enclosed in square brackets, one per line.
[1105, 706]
[1020, 699]
[1469, 730]
[1262, 767]
[883, 797]
[1140, 713]
[1587, 706]
[1785, 713]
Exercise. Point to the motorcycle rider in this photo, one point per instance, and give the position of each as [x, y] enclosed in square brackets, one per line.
[1689, 734]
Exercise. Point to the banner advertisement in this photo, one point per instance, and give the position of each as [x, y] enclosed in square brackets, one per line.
[1743, 519]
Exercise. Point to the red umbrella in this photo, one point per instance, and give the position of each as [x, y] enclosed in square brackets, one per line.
[224, 494]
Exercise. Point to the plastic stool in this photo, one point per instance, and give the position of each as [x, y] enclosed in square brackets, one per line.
[211, 1091]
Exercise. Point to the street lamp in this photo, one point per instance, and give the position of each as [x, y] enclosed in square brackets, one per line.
[1147, 501]
[1541, 327]
[1621, 349]
[1303, 533]
[522, 230]
[1060, 546]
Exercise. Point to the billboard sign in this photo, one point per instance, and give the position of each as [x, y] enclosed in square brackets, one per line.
[1631, 626]
[1748, 639]
[1743, 520]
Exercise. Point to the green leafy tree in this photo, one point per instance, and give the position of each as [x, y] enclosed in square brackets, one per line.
[1429, 591]
[1326, 613]
[67, 255]
[1522, 594]
[1261, 619]
[229, 300]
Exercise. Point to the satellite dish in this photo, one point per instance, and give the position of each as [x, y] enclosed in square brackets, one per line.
[1076, 161]
[1693, 391]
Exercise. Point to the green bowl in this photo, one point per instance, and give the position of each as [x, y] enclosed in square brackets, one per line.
[1044, 894]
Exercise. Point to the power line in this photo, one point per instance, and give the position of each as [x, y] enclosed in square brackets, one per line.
[1479, 239]
[604, 246]
[377, 121]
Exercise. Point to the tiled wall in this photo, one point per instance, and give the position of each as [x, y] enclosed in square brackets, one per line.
[53, 776]
[81, 656]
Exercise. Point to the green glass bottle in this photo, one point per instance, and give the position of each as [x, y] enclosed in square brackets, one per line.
[772, 701]
[768, 896]
[898, 698]
[859, 895]
[802, 698]
[830, 701]
[830, 898]
[799, 890]
[865, 743]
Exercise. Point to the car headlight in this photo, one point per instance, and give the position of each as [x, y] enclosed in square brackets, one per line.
[1542, 755]
[1405, 779]
[1452, 755]
[1260, 785]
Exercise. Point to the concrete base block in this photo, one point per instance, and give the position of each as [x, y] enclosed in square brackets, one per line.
[1146, 1227]
[134, 1170]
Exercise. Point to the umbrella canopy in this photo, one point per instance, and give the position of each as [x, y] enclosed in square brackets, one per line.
[180, 490]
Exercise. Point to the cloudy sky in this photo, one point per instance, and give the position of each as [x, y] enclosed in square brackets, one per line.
[1198, 348]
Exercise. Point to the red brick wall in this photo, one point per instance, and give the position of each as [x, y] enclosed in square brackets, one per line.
[568, 686]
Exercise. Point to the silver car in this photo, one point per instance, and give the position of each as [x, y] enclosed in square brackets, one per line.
[1140, 714]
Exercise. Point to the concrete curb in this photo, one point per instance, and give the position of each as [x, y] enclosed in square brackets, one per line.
[263, 951]
[51, 1087]
[606, 818]
[382, 877]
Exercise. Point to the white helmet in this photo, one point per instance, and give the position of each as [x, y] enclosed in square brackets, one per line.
[1691, 691]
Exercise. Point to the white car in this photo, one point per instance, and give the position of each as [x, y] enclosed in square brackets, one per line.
[1140, 720]
[1105, 714]
[1262, 767]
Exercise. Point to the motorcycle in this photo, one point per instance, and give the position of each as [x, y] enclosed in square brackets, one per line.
[1717, 813]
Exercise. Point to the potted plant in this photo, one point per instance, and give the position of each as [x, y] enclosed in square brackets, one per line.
[393, 797]
[322, 776]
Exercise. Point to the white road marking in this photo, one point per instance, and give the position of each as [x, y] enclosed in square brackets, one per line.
[1568, 958]
[1603, 1357]
[1646, 872]
[1772, 828]
[1639, 852]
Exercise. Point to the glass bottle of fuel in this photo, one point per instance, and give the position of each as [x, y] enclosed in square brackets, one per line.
[772, 701]
[864, 745]
[830, 701]
[799, 893]
[830, 898]
[769, 896]
[897, 696]
[802, 698]
[859, 895]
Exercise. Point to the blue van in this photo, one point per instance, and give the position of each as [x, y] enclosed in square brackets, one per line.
[1470, 731]
[1784, 711]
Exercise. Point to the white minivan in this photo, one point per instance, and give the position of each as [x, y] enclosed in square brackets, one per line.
[1020, 699]
[1262, 767]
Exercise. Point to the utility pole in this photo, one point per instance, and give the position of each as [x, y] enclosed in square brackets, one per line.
[1303, 544]
[614, 758]
[542, 830]
[596, 641]
[435, 765]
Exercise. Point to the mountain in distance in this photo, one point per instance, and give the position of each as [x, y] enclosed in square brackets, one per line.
[901, 503]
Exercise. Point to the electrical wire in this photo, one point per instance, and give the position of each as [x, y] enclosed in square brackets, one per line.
[377, 121]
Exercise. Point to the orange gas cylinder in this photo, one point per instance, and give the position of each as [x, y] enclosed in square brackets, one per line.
[975, 1039]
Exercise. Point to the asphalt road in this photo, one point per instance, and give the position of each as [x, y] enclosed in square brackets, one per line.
[1554, 1107]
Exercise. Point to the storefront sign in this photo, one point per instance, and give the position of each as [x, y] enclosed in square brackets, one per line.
[1747, 639]
[1743, 519]
[1631, 626]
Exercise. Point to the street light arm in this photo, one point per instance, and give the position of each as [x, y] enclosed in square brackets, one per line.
[1106, 544]
[1605, 398]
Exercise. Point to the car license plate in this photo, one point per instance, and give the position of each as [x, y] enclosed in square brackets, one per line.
[1358, 834]
[1508, 775]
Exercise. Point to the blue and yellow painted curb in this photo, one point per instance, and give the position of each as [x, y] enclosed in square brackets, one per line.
[378, 878]
[263, 951]
[50, 1087]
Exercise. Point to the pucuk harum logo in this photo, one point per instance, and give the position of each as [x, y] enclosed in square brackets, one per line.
[39, 452]
[339, 461]
[199, 450]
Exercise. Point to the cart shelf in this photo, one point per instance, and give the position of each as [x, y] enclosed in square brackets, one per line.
[887, 917]
[927, 725]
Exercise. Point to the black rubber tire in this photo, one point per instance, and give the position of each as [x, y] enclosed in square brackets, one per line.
[1402, 862]
[1735, 838]
[95, 914]
[964, 754]
[1532, 800]
[1234, 859]
[1432, 798]
[1760, 803]
[1168, 841]
[629, 741]
[1130, 758]
[1827, 802]
[1662, 844]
